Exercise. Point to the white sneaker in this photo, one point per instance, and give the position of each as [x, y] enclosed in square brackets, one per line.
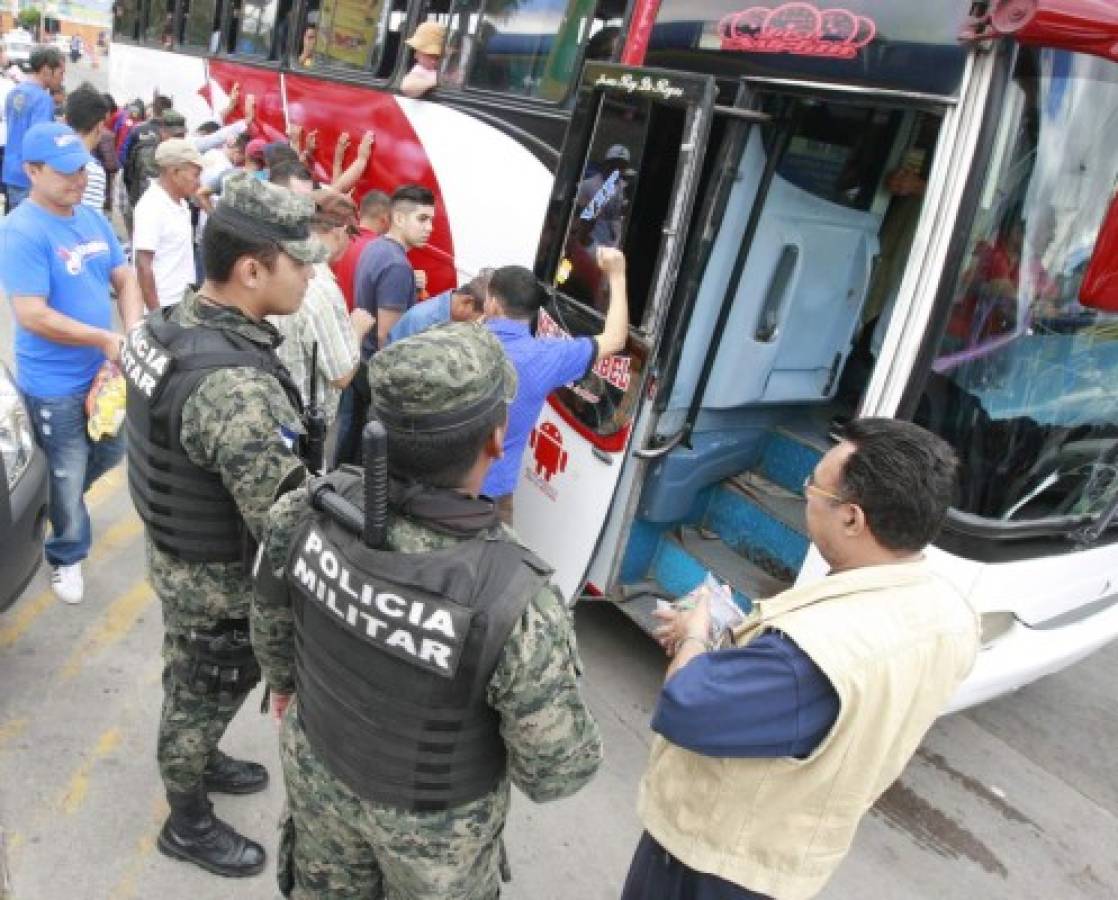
[67, 584]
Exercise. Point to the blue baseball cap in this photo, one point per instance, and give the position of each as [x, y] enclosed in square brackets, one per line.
[57, 145]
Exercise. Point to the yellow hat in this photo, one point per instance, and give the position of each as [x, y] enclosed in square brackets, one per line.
[429, 38]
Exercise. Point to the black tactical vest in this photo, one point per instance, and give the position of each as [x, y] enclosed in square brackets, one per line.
[186, 509]
[394, 651]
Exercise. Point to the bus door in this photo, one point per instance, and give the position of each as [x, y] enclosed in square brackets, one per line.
[627, 178]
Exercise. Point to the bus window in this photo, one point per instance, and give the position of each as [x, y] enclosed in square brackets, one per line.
[839, 153]
[348, 34]
[1022, 382]
[160, 29]
[621, 200]
[126, 20]
[531, 49]
[360, 35]
[631, 135]
[252, 27]
[200, 24]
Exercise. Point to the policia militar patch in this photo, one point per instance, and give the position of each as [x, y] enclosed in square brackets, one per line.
[418, 627]
[144, 361]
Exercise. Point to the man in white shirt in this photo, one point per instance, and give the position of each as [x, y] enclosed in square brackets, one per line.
[162, 244]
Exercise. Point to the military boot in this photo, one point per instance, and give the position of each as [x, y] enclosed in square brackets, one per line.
[194, 834]
[225, 775]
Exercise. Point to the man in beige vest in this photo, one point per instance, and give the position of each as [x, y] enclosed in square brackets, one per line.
[771, 750]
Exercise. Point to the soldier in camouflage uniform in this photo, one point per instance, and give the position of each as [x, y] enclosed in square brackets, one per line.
[139, 168]
[398, 761]
[212, 422]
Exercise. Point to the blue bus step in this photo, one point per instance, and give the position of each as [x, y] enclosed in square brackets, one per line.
[782, 504]
[684, 559]
[789, 458]
[762, 525]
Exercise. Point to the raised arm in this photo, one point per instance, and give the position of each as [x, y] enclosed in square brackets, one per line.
[615, 332]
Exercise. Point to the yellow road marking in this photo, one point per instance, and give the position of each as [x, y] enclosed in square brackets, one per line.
[78, 787]
[11, 730]
[117, 621]
[24, 615]
[126, 887]
[105, 487]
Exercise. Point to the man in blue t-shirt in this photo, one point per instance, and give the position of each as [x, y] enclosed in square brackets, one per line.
[57, 260]
[543, 364]
[384, 286]
[464, 304]
[29, 103]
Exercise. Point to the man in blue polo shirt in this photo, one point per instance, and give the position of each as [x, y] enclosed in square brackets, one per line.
[463, 304]
[543, 364]
[57, 260]
[28, 104]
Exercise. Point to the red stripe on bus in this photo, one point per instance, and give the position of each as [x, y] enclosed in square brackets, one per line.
[611, 443]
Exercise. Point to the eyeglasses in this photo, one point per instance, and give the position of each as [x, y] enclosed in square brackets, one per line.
[811, 486]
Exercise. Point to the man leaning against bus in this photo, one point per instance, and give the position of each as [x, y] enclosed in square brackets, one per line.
[770, 751]
[543, 364]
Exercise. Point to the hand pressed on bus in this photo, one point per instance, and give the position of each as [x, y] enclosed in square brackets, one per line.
[615, 332]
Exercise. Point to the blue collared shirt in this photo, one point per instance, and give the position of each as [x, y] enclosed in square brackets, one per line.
[422, 316]
[542, 365]
[767, 699]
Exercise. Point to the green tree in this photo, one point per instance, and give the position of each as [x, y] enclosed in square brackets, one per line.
[29, 18]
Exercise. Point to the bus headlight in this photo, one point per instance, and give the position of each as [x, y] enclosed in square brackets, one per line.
[995, 626]
[17, 441]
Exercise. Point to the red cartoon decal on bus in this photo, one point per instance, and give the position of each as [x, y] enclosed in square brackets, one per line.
[798, 28]
[547, 444]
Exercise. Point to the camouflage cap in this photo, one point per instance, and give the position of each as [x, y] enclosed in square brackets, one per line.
[173, 119]
[441, 379]
[258, 208]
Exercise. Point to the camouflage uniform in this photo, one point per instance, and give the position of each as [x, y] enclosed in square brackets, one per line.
[140, 169]
[338, 844]
[238, 423]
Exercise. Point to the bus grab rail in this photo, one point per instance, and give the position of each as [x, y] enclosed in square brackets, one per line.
[1083, 530]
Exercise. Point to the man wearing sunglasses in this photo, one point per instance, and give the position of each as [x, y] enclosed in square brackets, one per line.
[771, 750]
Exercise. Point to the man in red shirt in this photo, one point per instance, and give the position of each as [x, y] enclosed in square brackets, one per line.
[373, 222]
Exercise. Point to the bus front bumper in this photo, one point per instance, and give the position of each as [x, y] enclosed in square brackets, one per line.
[1021, 654]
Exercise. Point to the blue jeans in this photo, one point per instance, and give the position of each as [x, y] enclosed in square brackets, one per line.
[16, 195]
[75, 463]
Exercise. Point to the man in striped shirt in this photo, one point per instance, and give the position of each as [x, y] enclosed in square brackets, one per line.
[322, 321]
[86, 109]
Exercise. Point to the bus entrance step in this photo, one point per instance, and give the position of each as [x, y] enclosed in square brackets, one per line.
[782, 504]
[684, 559]
[762, 521]
[789, 457]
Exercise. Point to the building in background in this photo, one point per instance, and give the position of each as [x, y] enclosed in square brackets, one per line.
[86, 18]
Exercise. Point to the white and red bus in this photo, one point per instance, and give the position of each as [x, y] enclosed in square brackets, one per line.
[887, 207]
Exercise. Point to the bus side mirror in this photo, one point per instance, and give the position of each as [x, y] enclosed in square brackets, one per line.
[1100, 285]
[1084, 26]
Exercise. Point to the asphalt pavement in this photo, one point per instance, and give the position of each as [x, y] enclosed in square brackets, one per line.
[1015, 799]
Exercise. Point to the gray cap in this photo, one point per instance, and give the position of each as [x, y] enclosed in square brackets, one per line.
[269, 211]
[441, 379]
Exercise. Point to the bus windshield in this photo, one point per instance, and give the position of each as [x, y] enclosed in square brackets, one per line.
[1023, 379]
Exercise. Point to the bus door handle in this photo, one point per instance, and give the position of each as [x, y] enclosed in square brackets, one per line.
[601, 455]
[662, 450]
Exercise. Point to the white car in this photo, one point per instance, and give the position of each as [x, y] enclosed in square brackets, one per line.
[23, 495]
[18, 45]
